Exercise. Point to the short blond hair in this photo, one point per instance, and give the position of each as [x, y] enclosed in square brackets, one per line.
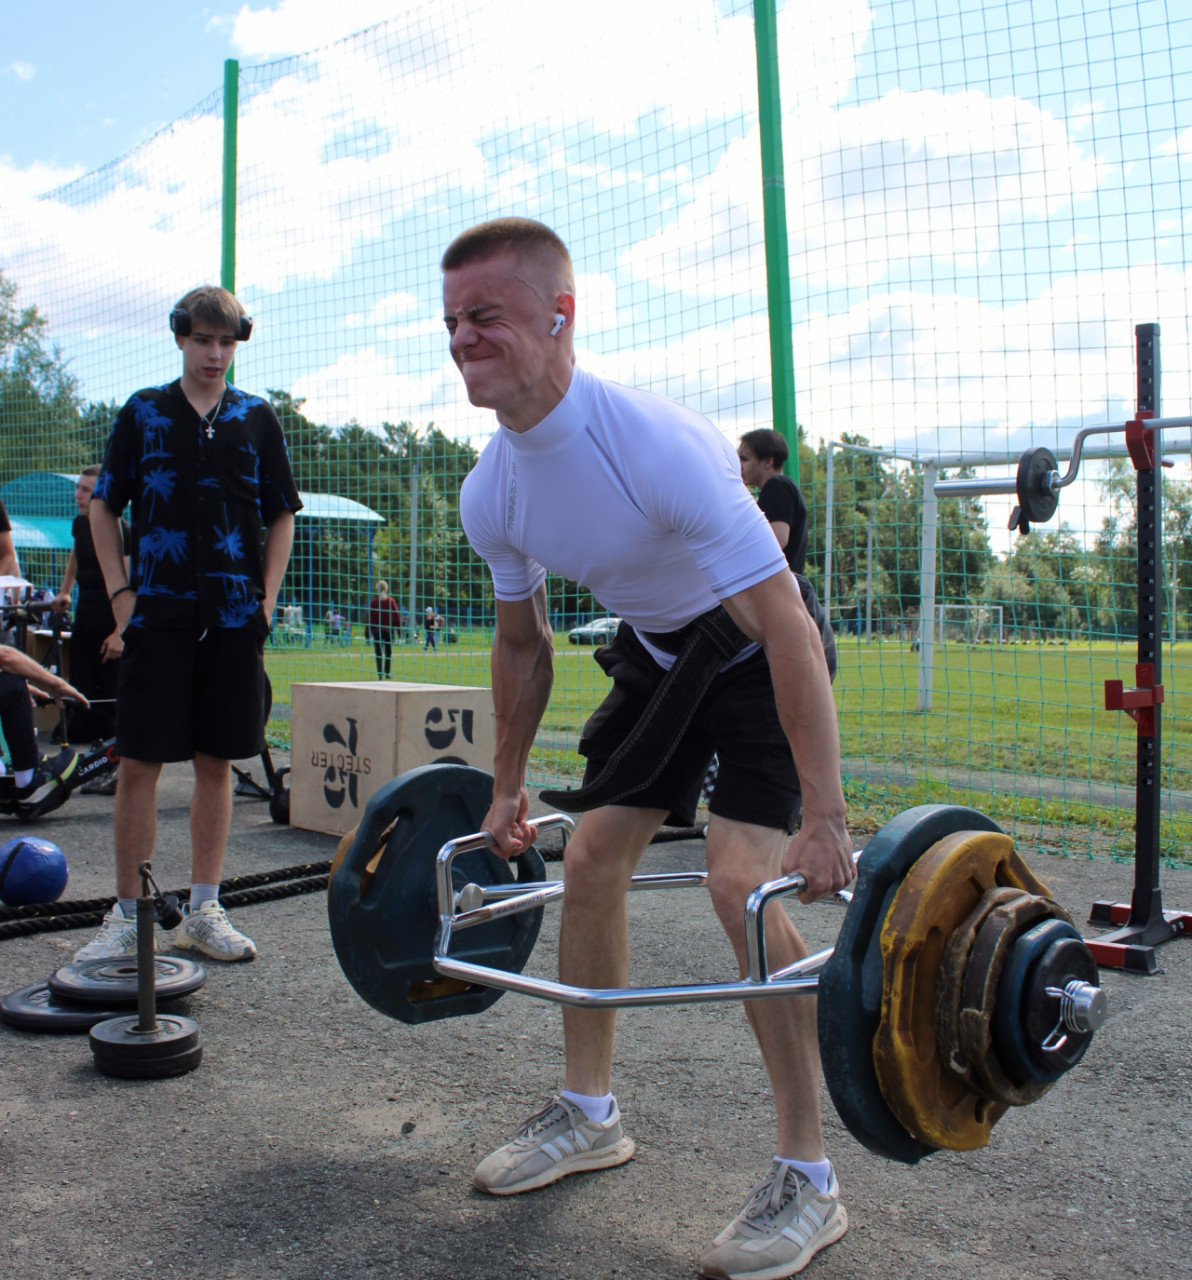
[522, 237]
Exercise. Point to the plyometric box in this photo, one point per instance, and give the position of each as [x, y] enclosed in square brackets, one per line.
[348, 738]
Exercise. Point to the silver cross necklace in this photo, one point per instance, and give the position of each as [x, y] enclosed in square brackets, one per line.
[208, 421]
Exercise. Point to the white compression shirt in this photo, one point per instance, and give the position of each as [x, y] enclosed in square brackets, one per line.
[635, 497]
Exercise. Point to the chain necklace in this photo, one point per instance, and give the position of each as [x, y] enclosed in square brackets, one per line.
[208, 420]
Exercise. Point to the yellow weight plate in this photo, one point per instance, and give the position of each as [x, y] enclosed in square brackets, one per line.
[936, 897]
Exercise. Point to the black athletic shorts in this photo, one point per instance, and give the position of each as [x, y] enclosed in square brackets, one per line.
[182, 693]
[737, 722]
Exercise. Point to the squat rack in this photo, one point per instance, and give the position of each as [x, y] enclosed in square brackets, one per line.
[1144, 922]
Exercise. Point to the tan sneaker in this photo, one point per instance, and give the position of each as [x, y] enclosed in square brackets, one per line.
[557, 1141]
[784, 1224]
[208, 929]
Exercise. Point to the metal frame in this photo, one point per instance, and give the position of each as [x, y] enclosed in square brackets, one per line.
[475, 905]
[1145, 923]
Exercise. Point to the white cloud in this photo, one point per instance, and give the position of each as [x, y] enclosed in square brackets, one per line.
[293, 26]
[23, 71]
[937, 373]
[23, 184]
[913, 175]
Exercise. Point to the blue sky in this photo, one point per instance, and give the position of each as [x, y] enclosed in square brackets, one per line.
[80, 83]
[982, 200]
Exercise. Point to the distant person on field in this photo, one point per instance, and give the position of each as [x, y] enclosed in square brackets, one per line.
[205, 468]
[382, 622]
[763, 455]
[432, 622]
[95, 641]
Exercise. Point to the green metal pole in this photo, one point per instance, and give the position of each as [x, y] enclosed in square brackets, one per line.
[778, 281]
[231, 109]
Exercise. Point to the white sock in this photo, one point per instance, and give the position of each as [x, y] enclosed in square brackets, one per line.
[597, 1109]
[819, 1171]
[22, 777]
[200, 893]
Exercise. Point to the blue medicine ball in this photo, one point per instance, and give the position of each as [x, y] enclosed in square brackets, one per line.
[31, 870]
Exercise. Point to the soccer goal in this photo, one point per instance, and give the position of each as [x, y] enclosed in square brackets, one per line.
[969, 623]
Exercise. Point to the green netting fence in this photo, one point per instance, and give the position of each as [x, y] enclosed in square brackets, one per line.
[982, 200]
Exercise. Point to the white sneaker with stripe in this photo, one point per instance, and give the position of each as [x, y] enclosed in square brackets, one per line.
[784, 1224]
[558, 1140]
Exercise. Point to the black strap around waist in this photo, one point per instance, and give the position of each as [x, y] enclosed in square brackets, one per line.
[713, 639]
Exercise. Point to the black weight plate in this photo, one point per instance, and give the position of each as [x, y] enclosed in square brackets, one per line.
[1037, 503]
[35, 1009]
[114, 981]
[850, 986]
[119, 1038]
[175, 1064]
[1048, 954]
[384, 922]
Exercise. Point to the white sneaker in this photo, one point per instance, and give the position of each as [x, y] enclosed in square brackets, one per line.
[210, 931]
[117, 937]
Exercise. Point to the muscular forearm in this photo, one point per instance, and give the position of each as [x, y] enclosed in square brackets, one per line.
[523, 675]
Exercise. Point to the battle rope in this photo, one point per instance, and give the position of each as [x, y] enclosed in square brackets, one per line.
[237, 891]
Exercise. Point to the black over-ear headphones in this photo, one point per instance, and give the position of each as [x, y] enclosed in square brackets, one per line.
[180, 325]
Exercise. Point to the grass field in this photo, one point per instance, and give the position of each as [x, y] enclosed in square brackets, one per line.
[1020, 732]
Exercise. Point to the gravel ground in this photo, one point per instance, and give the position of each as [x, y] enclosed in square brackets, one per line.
[319, 1139]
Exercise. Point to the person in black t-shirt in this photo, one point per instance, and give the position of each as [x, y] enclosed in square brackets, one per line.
[95, 641]
[763, 455]
[204, 467]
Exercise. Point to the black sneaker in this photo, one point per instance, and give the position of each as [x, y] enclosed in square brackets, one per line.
[48, 788]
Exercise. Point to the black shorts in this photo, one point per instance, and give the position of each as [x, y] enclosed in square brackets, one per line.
[737, 722]
[180, 693]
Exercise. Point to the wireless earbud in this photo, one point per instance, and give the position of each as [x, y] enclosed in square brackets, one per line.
[560, 321]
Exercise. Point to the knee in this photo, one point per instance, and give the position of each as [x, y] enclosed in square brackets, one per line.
[591, 876]
[729, 886]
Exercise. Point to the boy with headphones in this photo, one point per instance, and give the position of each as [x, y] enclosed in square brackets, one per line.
[205, 469]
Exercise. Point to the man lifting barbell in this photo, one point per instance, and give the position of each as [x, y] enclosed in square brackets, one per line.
[641, 500]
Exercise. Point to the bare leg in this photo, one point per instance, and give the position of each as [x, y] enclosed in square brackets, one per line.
[741, 856]
[210, 818]
[134, 822]
[594, 934]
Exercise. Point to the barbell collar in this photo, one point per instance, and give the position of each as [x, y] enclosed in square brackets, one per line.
[1083, 1007]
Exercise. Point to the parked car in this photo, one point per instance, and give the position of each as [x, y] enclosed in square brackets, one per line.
[599, 632]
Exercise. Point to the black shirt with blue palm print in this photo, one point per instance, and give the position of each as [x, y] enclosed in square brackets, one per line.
[201, 495]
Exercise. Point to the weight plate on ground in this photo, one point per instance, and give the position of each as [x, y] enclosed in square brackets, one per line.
[119, 1038]
[114, 981]
[381, 898]
[35, 1009]
[128, 1063]
[1029, 1039]
[850, 986]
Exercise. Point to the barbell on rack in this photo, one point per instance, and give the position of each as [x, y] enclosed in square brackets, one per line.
[957, 987]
